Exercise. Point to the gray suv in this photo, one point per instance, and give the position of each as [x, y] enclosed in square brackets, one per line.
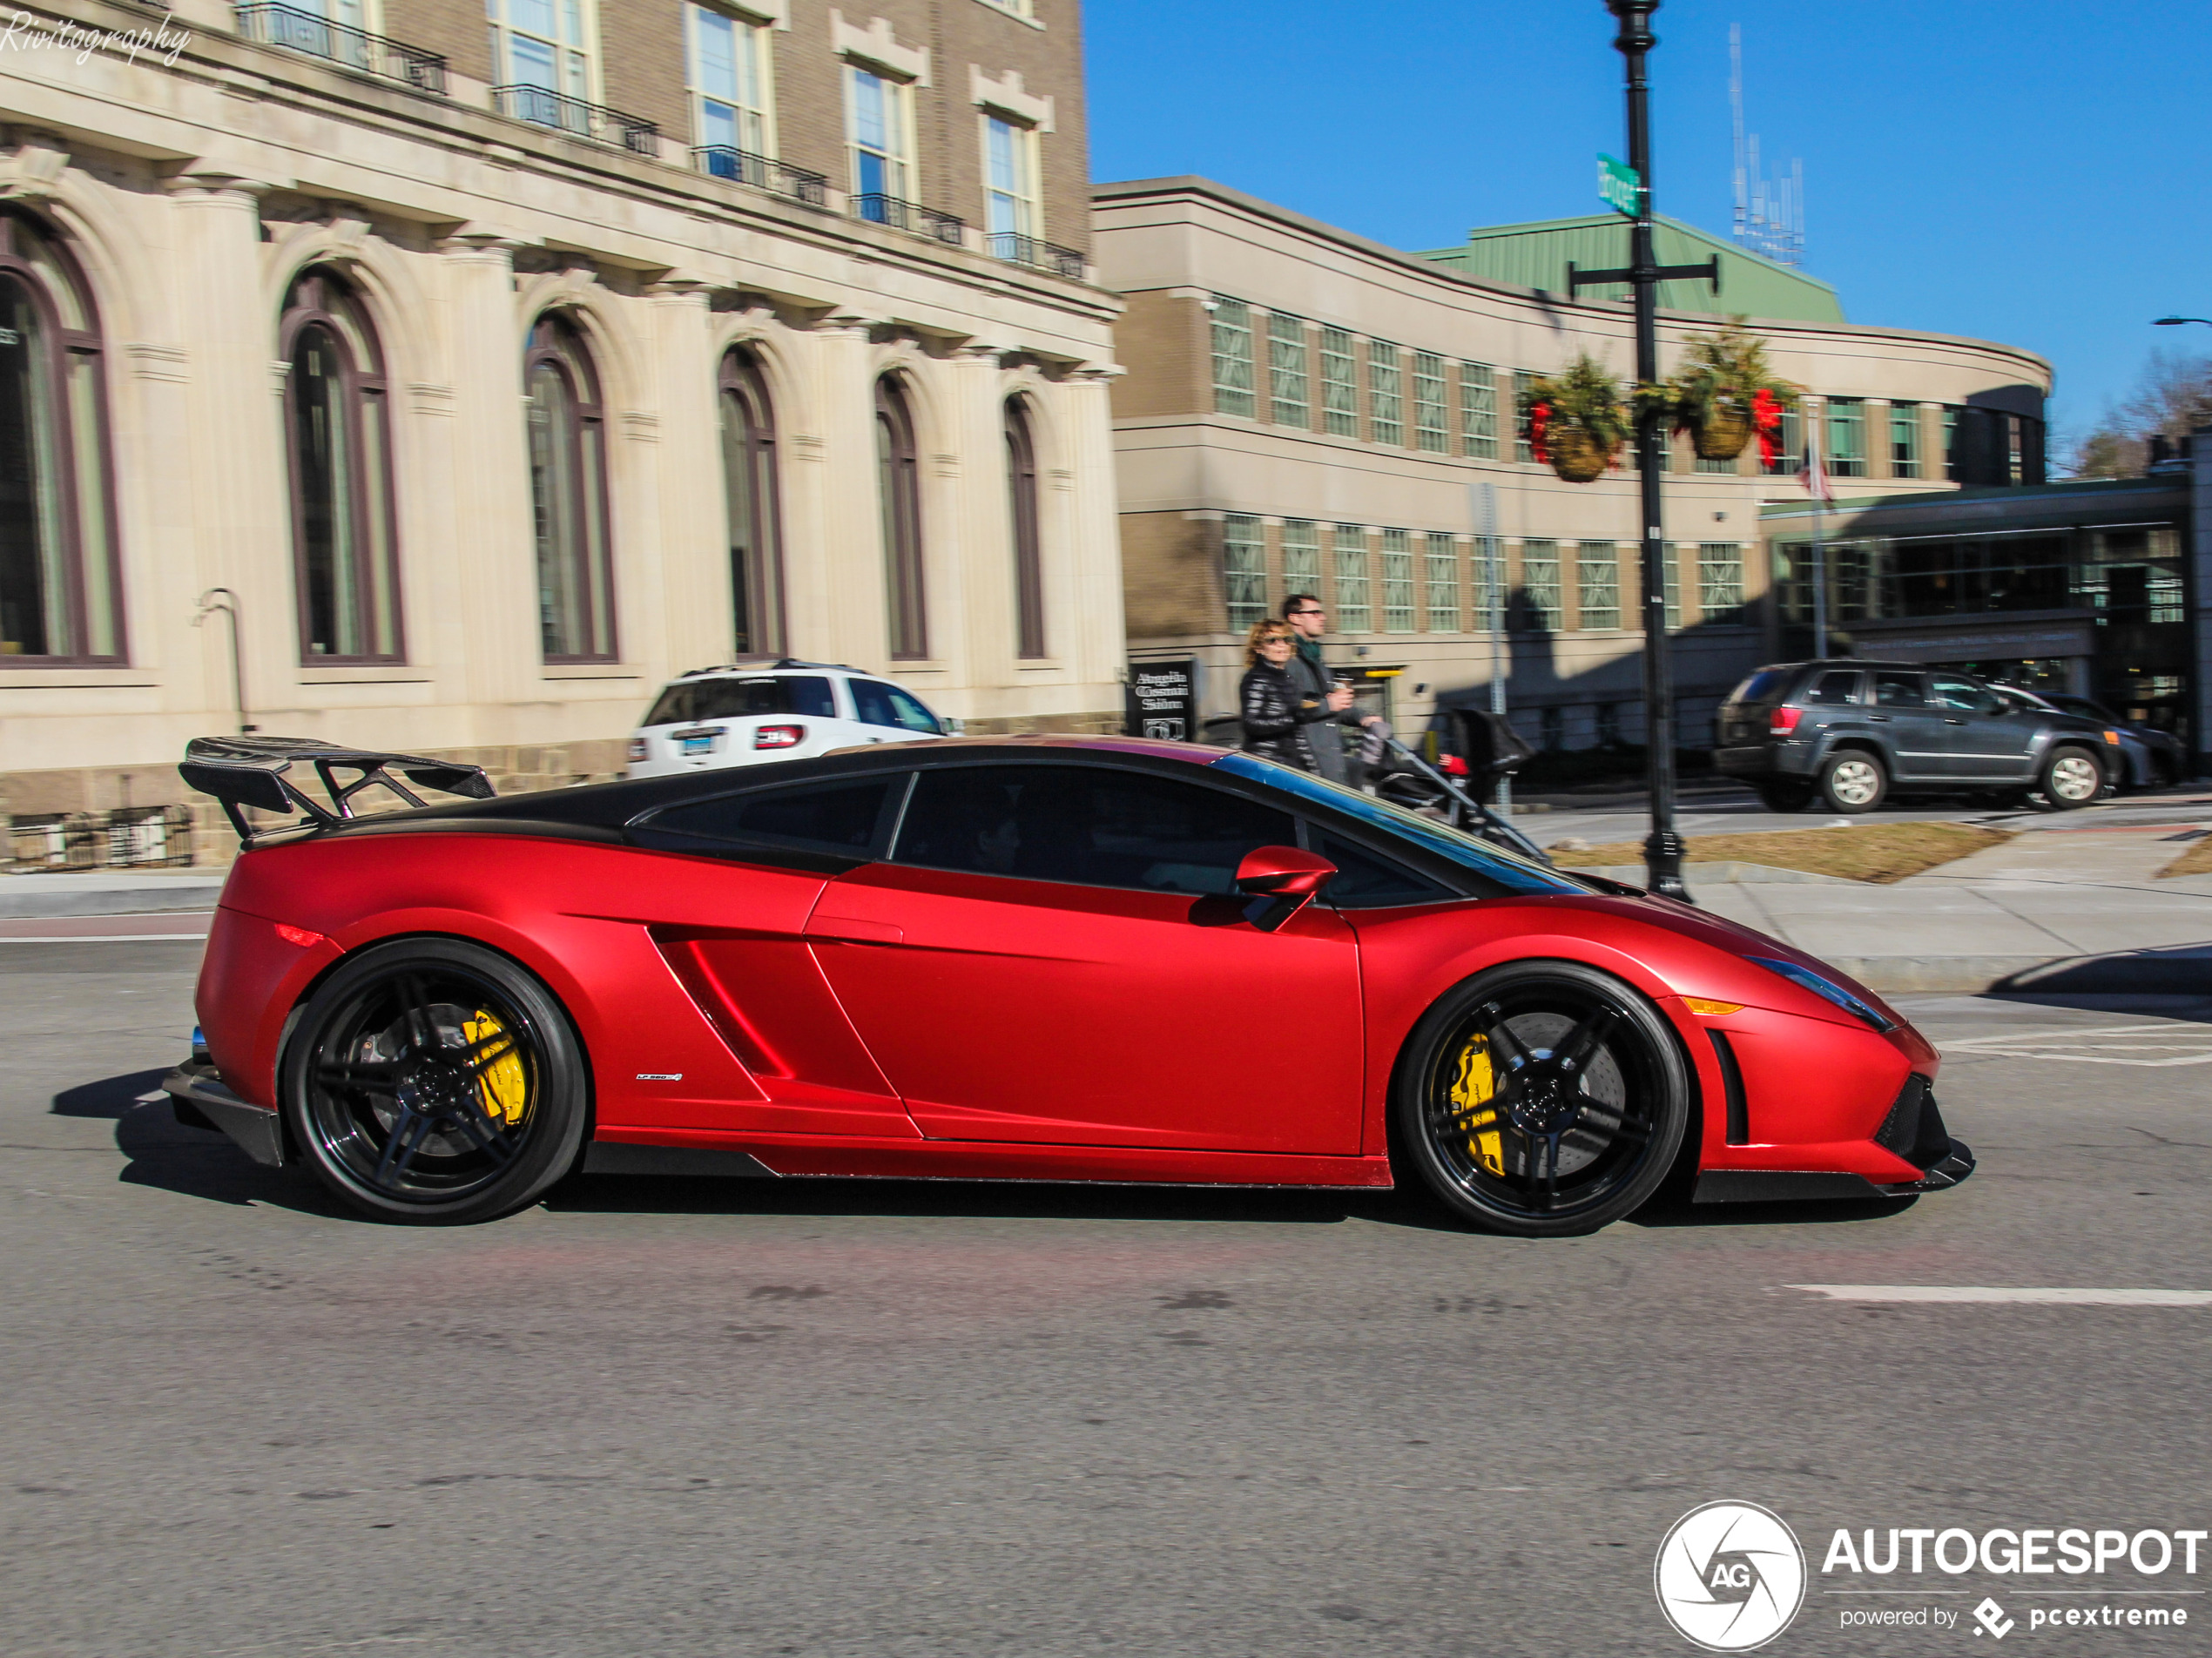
[1848, 733]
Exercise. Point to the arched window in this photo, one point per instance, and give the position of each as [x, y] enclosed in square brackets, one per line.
[338, 424]
[749, 490]
[60, 588]
[567, 442]
[899, 498]
[1028, 561]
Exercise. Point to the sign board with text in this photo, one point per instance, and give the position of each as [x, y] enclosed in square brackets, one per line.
[1162, 700]
[1619, 186]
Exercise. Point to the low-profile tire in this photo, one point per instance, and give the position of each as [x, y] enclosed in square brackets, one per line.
[1853, 780]
[1790, 796]
[1541, 1099]
[432, 1081]
[2072, 777]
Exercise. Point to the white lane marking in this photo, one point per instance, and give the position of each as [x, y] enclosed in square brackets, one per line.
[2051, 1298]
[111, 938]
[2145, 1045]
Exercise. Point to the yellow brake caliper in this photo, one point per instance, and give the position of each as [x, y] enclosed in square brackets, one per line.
[1472, 1089]
[505, 1089]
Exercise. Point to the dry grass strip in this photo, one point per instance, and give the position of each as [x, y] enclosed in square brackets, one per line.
[1881, 853]
[2197, 860]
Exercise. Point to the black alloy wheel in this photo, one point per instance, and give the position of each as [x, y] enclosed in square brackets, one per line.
[1853, 780]
[433, 1081]
[1778, 795]
[2071, 779]
[1542, 1099]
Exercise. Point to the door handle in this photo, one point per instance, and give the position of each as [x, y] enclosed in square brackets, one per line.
[1878, 719]
[1952, 719]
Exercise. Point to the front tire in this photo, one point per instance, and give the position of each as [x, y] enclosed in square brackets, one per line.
[1542, 1099]
[1852, 780]
[432, 1081]
[2071, 779]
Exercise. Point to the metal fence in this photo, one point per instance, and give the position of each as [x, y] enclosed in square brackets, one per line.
[762, 172]
[578, 118]
[908, 216]
[1037, 255]
[126, 838]
[288, 26]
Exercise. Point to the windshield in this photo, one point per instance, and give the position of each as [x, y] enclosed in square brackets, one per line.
[1765, 686]
[738, 699]
[1494, 863]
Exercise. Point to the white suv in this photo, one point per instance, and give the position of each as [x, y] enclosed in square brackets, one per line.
[785, 711]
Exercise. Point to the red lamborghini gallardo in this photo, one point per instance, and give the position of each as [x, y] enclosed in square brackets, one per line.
[1042, 959]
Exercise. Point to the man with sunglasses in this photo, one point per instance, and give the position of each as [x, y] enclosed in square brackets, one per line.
[1310, 675]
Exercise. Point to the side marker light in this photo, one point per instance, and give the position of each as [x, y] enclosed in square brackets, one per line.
[2113, 737]
[299, 935]
[1711, 1009]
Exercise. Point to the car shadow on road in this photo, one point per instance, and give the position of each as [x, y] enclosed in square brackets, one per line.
[992, 1200]
[1680, 1212]
[166, 1155]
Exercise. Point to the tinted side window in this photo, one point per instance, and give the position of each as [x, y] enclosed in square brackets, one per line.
[1898, 690]
[1834, 688]
[877, 704]
[1962, 696]
[1367, 882]
[1094, 826]
[735, 698]
[674, 707]
[833, 817]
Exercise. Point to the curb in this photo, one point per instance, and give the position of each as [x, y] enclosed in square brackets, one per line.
[2123, 973]
[44, 896]
[1729, 873]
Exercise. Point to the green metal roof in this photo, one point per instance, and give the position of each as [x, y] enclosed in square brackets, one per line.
[1536, 256]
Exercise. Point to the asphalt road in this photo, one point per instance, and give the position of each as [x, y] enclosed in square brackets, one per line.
[819, 1418]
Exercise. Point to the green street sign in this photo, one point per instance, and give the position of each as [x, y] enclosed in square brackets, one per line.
[1619, 186]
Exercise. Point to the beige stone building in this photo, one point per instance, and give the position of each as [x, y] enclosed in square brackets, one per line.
[485, 377]
[1307, 411]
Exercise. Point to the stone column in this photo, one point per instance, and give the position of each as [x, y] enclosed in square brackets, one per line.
[695, 600]
[495, 634]
[841, 590]
[1092, 640]
[983, 609]
[239, 501]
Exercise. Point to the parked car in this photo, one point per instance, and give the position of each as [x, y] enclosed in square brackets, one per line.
[1847, 734]
[787, 709]
[996, 958]
[2155, 759]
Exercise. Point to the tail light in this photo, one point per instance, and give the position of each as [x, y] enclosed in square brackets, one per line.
[640, 749]
[1783, 721]
[778, 736]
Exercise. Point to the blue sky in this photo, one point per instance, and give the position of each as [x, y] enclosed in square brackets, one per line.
[2026, 171]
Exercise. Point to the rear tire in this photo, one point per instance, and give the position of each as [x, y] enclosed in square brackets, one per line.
[432, 1081]
[2071, 779]
[1852, 780]
[1792, 796]
[1541, 1099]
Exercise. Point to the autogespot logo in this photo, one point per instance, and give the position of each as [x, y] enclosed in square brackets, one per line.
[1729, 1576]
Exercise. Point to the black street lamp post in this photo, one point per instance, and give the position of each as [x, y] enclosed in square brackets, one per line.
[1662, 848]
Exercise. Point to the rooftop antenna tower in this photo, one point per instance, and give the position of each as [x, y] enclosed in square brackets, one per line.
[1769, 213]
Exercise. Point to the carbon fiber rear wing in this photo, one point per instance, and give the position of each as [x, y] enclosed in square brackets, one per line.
[242, 771]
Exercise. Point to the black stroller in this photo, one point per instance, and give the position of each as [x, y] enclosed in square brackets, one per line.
[1475, 749]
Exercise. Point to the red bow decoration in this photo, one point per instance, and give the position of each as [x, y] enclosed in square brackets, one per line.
[1766, 420]
[1540, 416]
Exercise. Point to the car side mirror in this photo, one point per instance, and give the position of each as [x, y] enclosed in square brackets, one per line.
[1282, 880]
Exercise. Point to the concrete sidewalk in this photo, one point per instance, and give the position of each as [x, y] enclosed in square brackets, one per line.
[2057, 907]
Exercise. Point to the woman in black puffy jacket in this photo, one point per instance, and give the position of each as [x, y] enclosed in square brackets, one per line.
[1274, 712]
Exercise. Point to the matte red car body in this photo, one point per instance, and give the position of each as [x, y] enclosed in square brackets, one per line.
[1056, 1038]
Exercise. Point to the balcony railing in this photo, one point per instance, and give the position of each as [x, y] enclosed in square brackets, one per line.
[341, 43]
[1038, 256]
[578, 118]
[762, 173]
[905, 215]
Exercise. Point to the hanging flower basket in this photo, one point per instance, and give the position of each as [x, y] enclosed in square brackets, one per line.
[1577, 422]
[1725, 392]
[1723, 432]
